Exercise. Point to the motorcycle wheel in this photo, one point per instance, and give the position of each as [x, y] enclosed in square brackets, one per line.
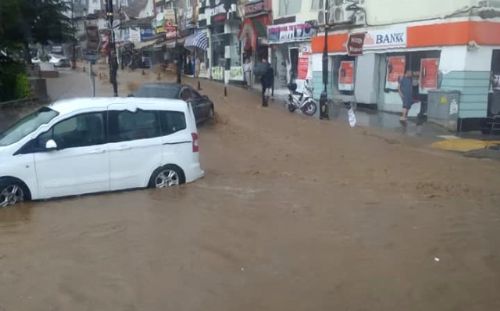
[309, 108]
[291, 107]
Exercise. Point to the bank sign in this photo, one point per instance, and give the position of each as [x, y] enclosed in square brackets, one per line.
[385, 39]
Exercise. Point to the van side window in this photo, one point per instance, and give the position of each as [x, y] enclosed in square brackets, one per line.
[172, 121]
[78, 131]
[127, 125]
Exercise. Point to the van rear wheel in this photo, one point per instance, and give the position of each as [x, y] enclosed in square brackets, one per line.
[167, 176]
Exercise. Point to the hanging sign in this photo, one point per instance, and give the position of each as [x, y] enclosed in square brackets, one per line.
[303, 66]
[355, 44]
[395, 71]
[346, 76]
[428, 74]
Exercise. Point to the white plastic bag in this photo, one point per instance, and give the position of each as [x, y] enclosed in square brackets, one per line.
[352, 117]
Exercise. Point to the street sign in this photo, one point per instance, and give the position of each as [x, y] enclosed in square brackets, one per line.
[91, 56]
[92, 34]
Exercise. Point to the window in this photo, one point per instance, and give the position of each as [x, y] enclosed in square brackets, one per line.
[196, 95]
[289, 7]
[316, 5]
[78, 131]
[186, 94]
[27, 125]
[127, 125]
[172, 121]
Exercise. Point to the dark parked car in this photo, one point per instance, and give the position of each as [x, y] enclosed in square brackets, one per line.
[203, 107]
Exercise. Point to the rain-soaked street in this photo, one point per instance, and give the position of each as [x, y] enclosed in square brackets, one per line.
[293, 214]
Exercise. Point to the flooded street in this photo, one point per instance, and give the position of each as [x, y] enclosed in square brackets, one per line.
[293, 214]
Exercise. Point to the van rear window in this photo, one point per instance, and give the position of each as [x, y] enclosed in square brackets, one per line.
[172, 121]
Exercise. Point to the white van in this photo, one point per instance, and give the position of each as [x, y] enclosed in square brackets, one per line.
[88, 145]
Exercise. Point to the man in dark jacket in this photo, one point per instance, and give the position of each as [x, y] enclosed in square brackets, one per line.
[266, 80]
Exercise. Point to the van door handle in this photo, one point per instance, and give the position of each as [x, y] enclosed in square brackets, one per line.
[123, 148]
[97, 151]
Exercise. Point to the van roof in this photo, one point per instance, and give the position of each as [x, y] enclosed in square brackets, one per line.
[87, 103]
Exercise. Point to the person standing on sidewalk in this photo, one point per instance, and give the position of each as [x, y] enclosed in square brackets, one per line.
[406, 93]
[247, 70]
[267, 82]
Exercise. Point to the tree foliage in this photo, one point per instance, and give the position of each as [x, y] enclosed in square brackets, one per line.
[34, 21]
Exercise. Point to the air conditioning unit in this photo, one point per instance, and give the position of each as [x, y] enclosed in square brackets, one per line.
[339, 12]
[347, 11]
[489, 3]
[360, 19]
[321, 12]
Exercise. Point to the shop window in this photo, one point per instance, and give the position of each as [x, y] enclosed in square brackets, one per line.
[344, 71]
[424, 66]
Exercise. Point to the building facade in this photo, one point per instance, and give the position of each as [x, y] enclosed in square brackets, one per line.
[448, 45]
[289, 37]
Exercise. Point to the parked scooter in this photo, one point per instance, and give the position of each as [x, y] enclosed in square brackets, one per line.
[303, 101]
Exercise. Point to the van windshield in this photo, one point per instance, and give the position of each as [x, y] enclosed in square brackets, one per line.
[26, 125]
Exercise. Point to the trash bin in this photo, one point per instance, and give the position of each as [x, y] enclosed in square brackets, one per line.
[443, 108]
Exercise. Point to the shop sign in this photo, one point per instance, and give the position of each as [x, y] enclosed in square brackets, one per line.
[396, 66]
[158, 23]
[254, 7]
[303, 66]
[170, 31]
[219, 18]
[134, 35]
[346, 76]
[218, 73]
[428, 74]
[216, 10]
[146, 34]
[289, 33]
[382, 39]
[355, 44]
[236, 73]
[169, 15]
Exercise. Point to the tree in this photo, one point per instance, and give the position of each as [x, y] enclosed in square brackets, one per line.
[23, 22]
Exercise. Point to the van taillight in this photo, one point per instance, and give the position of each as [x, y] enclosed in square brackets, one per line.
[196, 147]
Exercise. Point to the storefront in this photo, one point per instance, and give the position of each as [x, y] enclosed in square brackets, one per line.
[197, 44]
[448, 55]
[290, 52]
[225, 49]
[253, 33]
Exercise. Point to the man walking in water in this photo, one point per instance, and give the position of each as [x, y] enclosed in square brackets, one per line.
[267, 81]
[405, 91]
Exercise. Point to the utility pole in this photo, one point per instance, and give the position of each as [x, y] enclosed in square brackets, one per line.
[73, 57]
[323, 100]
[113, 64]
[177, 48]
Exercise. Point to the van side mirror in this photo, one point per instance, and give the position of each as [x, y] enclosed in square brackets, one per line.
[50, 145]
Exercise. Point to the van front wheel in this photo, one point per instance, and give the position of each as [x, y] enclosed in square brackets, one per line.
[167, 176]
[12, 192]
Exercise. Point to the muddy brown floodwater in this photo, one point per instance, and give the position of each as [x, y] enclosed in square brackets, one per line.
[293, 214]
